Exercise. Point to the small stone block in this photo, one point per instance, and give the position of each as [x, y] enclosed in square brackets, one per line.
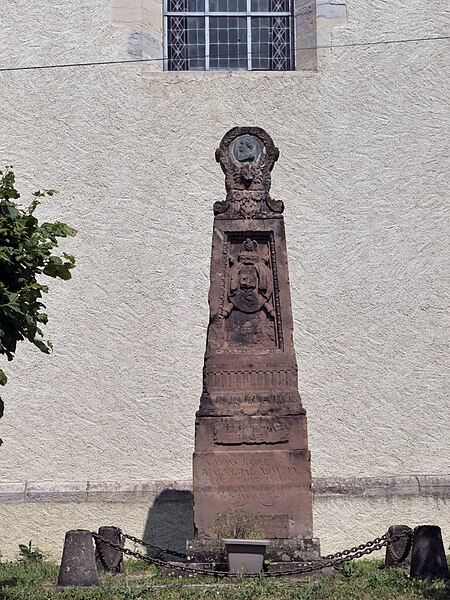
[428, 560]
[78, 560]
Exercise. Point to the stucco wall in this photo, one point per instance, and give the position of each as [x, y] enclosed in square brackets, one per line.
[339, 523]
[363, 173]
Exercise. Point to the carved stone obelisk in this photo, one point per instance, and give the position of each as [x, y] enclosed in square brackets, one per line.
[251, 448]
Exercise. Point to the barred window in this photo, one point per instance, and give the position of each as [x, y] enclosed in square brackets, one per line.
[203, 35]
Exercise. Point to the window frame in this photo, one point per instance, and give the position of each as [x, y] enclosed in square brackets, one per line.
[248, 14]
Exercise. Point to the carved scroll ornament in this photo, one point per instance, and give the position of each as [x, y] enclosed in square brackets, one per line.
[247, 156]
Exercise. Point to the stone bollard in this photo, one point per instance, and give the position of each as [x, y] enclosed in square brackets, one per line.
[110, 559]
[428, 559]
[78, 560]
[398, 553]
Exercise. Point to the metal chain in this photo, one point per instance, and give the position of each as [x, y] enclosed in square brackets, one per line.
[377, 540]
[407, 547]
[332, 560]
[114, 565]
[156, 561]
[136, 540]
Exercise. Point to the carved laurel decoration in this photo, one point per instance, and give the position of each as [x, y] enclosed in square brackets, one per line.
[247, 156]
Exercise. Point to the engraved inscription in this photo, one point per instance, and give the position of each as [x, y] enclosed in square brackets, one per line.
[255, 430]
[277, 399]
[273, 378]
[251, 469]
[258, 481]
[258, 404]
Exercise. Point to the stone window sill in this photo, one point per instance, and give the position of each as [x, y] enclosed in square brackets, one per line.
[241, 74]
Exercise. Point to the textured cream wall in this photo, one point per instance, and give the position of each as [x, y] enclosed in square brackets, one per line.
[363, 173]
[339, 524]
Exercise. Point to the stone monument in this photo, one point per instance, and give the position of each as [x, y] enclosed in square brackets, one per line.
[251, 449]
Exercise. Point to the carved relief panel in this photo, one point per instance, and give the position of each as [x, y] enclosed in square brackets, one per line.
[249, 318]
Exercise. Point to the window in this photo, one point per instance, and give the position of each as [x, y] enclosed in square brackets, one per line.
[205, 35]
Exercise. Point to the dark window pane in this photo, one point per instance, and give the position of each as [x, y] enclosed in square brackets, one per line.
[231, 51]
[227, 5]
[233, 36]
[218, 5]
[260, 5]
[195, 5]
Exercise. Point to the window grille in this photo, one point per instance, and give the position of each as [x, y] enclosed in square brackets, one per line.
[208, 35]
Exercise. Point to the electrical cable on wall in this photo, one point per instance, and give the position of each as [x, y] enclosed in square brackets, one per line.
[147, 60]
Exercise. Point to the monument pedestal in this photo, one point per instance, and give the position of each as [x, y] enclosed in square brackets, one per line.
[251, 448]
[281, 550]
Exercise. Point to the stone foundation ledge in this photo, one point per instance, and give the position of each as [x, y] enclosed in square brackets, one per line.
[212, 568]
[437, 486]
[132, 491]
[278, 550]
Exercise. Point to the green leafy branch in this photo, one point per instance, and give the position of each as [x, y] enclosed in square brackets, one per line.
[26, 253]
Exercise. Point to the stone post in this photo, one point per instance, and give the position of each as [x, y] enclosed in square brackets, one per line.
[78, 560]
[428, 560]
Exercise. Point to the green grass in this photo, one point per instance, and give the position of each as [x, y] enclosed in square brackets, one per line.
[362, 580]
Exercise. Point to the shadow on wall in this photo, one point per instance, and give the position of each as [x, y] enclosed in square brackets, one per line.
[170, 521]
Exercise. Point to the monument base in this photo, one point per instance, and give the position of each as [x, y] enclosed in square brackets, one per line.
[278, 550]
[271, 485]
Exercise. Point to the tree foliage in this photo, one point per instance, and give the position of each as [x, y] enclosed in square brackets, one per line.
[26, 253]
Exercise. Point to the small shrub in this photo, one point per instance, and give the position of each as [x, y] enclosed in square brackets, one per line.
[238, 525]
[29, 553]
[346, 569]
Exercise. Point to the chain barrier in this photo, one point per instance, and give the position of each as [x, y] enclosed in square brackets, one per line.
[404, 550]
[107, 562]
[155, 561]
[332, 560]
[136, 540]
[359, 548]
